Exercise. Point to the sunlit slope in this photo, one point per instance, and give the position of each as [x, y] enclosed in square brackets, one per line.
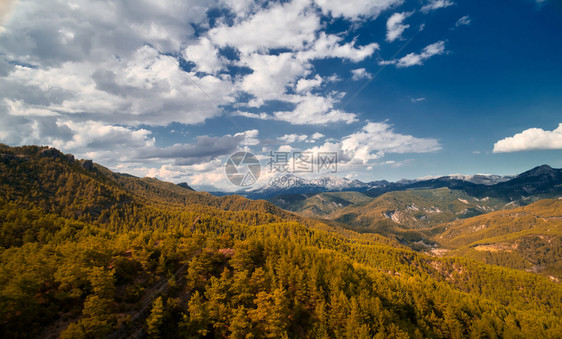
[528, 237]
[414, 209]
[318, 205]
[85, 252]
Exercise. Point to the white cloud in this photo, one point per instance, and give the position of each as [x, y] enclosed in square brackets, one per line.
[147, 88]
[373, 141]
[414, 59]
[83, 76]
[205, 56]
[333, 78]
[395, 26]
[436, 4]
[360, 73]
[290, 25]
[416, 100]
[95, 135]
[96, 31]
[317, 135]
[328, 46]
[91, 139]
[290, 138]
[242, 7]
[250, 137]
[310, 109]
[355, 9]
[531, 139]
[271, 75]
[463, 21]
[305, 85]
[314, 110]
[165, 172]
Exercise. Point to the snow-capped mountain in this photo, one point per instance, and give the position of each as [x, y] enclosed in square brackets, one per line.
[290, 183]
[543, 177]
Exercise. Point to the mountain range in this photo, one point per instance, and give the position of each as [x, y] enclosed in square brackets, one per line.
[540, 181]
[408, 209]
[87, 252]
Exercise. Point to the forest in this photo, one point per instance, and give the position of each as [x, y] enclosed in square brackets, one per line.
[89, 253]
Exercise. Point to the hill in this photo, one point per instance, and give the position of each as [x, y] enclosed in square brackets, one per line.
[318, 205]
[415, 209]
[528, 238]
[400, 215]
[86, 252]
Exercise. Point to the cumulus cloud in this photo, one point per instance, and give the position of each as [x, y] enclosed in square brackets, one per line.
[103, 62]
[360, 73]
[205, 56]
[89, 82]
[288, 25]
[271, 75]
[305, 85]
[356, 9]
[291, 138]
[531, 139]
[308, 109]
[375, 140]
[415, 59]
[329, 46]
[432, 5]
[395, 26]
[242, 7]
[314, 110]
[250, 137]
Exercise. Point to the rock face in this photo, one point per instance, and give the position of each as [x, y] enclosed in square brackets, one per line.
[51, 152]
[87, 164]
[55, 153]
[185, 185]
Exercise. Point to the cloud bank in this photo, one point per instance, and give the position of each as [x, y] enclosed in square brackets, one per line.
[531, 139]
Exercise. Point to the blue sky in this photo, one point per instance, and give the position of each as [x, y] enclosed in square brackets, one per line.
[398, 89]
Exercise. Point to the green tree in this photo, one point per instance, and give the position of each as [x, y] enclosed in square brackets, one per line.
[155, 319]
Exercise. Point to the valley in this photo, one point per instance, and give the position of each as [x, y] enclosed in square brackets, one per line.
[87, 252]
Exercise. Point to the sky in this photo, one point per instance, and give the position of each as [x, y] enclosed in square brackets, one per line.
[396, 89]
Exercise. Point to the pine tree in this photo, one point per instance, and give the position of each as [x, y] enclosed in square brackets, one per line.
[155, 319]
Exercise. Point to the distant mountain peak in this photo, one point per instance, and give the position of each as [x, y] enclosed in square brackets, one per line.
[538, 171]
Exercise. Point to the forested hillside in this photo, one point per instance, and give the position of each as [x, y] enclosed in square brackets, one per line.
[527, 238]
[90, 253]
